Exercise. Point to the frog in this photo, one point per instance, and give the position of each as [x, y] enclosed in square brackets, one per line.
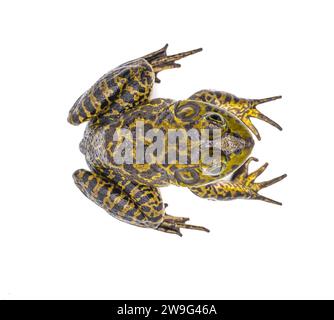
[130, 190]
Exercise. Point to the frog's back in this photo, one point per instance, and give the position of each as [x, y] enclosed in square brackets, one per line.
[107, 153]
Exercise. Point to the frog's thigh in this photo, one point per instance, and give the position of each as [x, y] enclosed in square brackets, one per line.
[133, 203]
[122, 88]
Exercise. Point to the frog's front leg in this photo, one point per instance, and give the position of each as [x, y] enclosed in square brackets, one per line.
[241, 185]
[130, 202]
[244, 109]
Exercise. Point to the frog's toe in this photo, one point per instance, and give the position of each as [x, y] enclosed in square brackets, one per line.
[263, 198]
[175, 219]
[242, 172]
[160, 61]
[170, 228]
[253, 112]
[192, 227]
[251, 177]
[264, 184]
[268, 183]
[173, 225]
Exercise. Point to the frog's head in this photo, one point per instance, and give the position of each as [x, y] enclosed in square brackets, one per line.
[225, 142]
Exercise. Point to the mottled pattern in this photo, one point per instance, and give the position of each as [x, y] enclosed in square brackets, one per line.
[129, 191]
[164, 114]
[123, 199]
[120, 89]
[244, 109]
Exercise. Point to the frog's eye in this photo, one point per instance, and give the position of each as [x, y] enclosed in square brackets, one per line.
[216, 118]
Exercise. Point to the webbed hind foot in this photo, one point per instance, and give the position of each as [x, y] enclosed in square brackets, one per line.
[160, 61]
[171, 224]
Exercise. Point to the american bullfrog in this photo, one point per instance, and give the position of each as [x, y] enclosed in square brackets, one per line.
[119, 104]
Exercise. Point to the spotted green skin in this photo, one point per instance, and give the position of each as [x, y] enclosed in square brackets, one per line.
[130, 192]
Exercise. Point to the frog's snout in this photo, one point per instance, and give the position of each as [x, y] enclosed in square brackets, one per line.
[231, 144]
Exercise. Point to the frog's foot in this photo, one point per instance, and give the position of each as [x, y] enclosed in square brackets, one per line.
[250, 111]
[160, 61]
[171, 224]
[241, 186]
[245, 185]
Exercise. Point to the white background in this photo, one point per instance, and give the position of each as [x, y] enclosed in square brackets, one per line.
[55, 243]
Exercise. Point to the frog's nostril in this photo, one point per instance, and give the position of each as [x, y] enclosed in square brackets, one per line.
[249, 142]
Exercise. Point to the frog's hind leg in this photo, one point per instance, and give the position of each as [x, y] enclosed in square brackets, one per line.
[122, 88]
[244, 109]
[130, 202]
[160, 61]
